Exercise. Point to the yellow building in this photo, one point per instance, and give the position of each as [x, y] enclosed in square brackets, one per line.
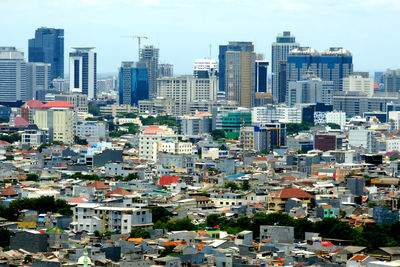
[277, 200]
[59, 119]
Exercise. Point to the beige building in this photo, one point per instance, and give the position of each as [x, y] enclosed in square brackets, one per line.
[59, 121]
[358, 83]
[150, 139]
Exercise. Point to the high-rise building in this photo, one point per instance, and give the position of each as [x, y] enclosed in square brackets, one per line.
[237, 72]
[48, 47]
[280, 51]
[310, 90]
[149, 55]
[392, 81]
[13, 76]
[333, 64]
[261, 81]
[165, 70]
[38, 78]
[282, 81]
[359, 84]
[83, 71]
[205, 68]
[133, 83]
[187, 89]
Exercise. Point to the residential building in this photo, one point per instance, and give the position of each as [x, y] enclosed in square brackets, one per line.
[28, 109]
[149, 55]
[83, 71]
[280, 51]
[115, 110]
[91, 129]
[13, 75]
[174, 147]
[186, 89]
[91, 217]
[133, 83]
[237, 72]
[359, 84]
[48, 47]
[149, 141]
[277, 200]
[58, 119]
[34, 137]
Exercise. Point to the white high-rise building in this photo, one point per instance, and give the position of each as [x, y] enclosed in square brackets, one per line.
[13, 76]
[357, 83]
[337, 117]
[83, 71]
[186, 89]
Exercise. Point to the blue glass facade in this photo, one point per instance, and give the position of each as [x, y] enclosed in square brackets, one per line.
[48, 47]
[133, 84]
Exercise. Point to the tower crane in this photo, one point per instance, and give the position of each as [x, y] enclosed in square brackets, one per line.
[139, 38]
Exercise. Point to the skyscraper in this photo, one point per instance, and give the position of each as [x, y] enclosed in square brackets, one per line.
[83, 71]
[133, 83]
[38, 78]
[48, 47]
[280, 50]
[237, 69]
[333, 64]
[149, 56]
[261, 80]
[165, 70]
[392, 81]
[13, 83]
[204, 68]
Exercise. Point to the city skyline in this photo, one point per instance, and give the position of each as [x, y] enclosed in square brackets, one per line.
[359, 26]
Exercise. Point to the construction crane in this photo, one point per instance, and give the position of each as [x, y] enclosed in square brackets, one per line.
[139, 38]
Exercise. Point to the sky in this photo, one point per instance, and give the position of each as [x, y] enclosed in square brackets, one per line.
[183, 30]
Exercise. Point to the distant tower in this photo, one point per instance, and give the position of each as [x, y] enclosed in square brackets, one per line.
[133, 83]
[83, 71]
[204, 68]
[13, 83]
[38, 78]
[48, 47]
[280, 50]
[237, 72]
[165, 70]
[149, 55]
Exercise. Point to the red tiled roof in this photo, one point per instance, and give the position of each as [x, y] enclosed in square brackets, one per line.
[288, 178]
[20, 121]
[8, 192]
[4, 143]
[98, 185]
[166, 180]
[358, 258]
[33, 104]
[58, 104]
[119, 191]
[291, 192]
[78, 200]
[327, 244]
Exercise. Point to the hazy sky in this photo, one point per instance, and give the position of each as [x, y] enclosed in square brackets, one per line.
[184, 29]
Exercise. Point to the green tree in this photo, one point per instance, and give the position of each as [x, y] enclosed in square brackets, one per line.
[80, 141]
[334, 126]
[295, 128]
[233, 186]
[32, 177]
[5, 236]
[160, 214]
[167, 251]
[10, 138]
[218, 134]
[139, 232]
[245, 185]
[94, 110]
[179, 225]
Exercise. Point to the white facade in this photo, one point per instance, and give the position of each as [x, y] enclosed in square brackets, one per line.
[358, 83]
[363, 139]
[89, 217]
[185, 89]
[392, 145]
[150, 138]
[91, 129]
[173, 147]
[395, 117]
[289, 115]
[82, 71]
[337, 117]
